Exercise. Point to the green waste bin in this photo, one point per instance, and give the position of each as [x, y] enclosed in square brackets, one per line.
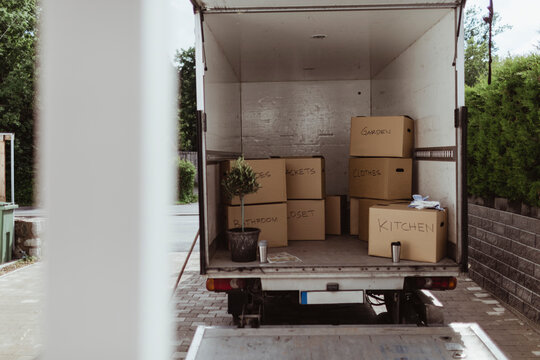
[6, 231]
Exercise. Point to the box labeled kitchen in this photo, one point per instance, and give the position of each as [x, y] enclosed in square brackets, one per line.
[380, 178]
[305, 220]
[362, 219]
[422, 233]
[335, 214]
[270, 218]
[305, 177]
[271, 177]
[384, 136]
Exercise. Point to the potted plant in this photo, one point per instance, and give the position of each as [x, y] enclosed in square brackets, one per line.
[240, 181]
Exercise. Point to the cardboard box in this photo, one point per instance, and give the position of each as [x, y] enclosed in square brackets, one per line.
[271, 177]
[335, 214]
[363, 215]
[270, 218]
[385, 136]
[305, 177]
[305, 219]
[422, 233]
[353, 216]
[380, 178]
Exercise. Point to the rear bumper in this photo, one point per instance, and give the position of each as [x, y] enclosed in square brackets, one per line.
[316, 279]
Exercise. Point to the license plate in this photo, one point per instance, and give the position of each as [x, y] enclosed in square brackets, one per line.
[332, 297]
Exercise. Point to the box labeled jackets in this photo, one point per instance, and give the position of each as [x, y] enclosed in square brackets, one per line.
[335, 218]
[363, 215]
[305, 219]
[385, 136]
[422, 233]
[305, 177]
[380, 178]
[271, 177]
[270, 218]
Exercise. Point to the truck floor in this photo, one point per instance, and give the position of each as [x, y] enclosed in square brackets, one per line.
[336, 251]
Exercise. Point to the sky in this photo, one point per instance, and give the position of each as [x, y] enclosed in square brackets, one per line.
[522, 15]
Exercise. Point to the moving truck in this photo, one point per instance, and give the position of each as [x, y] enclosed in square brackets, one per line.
[283, 78]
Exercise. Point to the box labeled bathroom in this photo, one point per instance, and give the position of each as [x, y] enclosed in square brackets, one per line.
[270, 218]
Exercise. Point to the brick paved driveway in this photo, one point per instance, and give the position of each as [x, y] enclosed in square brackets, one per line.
[516, 337]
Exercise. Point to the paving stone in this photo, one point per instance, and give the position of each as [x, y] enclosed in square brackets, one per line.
[21, 308]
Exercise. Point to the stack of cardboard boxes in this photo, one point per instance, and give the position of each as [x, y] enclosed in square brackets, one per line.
[380, 169]
[290, 204]
[267, 208]
[305, 198]
[380, 175]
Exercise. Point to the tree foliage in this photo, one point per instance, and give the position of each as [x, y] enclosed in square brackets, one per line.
[18, 34]
[186, 181]
[476, 36]
[239, 181]
[187, 113]
[504, 132]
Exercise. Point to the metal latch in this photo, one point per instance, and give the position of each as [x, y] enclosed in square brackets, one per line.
[332, 287]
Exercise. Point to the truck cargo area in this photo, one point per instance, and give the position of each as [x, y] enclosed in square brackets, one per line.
[278, 81]
[337, 252]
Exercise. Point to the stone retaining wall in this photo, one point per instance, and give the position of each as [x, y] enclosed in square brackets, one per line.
[504, 257]
[27, 237]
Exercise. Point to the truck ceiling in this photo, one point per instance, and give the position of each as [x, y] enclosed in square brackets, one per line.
[318, 45]
[264, 5]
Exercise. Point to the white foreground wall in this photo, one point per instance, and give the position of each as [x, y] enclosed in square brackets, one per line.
[106, 142]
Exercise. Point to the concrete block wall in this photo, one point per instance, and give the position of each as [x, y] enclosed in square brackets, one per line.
[504, 257]
[28, 237]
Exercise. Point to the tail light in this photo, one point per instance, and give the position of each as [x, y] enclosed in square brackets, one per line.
[431, 283]
[218, 285]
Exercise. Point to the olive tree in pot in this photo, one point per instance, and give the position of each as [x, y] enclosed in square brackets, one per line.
[241, 180]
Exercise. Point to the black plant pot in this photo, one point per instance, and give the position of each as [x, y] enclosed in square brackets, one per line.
[243, 244]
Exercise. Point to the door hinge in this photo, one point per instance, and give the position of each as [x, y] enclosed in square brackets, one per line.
[201, 121]
[205, 126]
[460, 117]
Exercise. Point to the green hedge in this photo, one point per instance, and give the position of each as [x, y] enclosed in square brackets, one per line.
[186, 181]
[504, 132]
